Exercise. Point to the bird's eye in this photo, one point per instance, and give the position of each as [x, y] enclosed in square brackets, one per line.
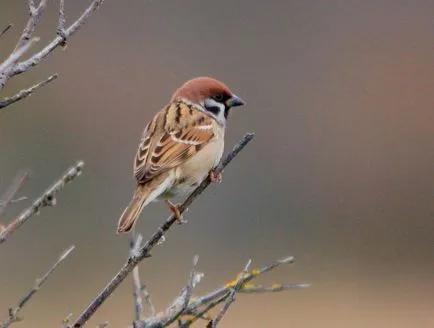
[218, 97]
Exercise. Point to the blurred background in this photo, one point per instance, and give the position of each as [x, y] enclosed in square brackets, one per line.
[340, 174]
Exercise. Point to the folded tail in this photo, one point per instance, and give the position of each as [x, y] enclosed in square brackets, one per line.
[133, 210]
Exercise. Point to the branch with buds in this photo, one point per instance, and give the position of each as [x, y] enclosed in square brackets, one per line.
[12, 65]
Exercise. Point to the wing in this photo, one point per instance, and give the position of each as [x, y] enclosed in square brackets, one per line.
[175, 134]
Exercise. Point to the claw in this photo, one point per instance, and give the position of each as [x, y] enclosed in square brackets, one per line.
[174, 208]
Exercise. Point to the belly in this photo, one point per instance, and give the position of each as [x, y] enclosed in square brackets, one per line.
[190, 174]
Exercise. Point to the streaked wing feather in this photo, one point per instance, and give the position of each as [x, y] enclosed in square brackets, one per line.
[174, 135]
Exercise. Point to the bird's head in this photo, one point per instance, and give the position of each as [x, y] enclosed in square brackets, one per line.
[209, 95]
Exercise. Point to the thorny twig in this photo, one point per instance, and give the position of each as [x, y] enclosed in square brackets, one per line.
[149, 245]
[48, 198]
[13, 312]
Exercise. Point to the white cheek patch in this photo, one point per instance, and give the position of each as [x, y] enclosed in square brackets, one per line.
[216, 109]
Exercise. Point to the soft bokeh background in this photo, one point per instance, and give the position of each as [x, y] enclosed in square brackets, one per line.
[340, 95]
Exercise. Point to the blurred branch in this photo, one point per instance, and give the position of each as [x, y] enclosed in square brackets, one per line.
[13, 312]
[7, 27]
[145, 250]
[26, 92]
[48, 198]
[13, 189]
[135, 243]
[11, 67]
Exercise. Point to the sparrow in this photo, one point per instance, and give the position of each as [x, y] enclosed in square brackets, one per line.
[180, 146]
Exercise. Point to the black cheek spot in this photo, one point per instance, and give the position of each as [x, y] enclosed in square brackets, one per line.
[198, 147]
[214, 109]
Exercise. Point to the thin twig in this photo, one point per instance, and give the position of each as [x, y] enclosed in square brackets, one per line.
[201, 301]
[148, 299]
[16, 55]
[149, 245]
[11, 68]
[9, 26]
[231, 298]
[135, 243]
[48, 198]
[59, 40]
[13, 312]
[201, 314]
[178, 306]
[13, 189]
[35, 15]
[26, 92]
[199, 307]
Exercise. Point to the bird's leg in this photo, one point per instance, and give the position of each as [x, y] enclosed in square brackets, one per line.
[174, 208]
[215, 176]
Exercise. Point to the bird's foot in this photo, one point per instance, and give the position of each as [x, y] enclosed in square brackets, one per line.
[174, 208]
[215, 176]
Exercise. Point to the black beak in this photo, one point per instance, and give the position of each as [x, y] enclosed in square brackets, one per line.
[234, 101]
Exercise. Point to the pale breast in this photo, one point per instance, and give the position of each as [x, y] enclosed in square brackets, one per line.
[190, 174]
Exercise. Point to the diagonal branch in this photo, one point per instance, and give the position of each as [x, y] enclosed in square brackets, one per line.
[26, 92]
[48, 198]
[149, 245]
[13, 312]
[7, 27]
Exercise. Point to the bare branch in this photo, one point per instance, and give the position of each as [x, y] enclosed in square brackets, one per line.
[227, 288]
[9, 26]
[202, 313]
[26, 92]
[48, 198]
[13, 189]
[149, 245]
[199, 307]
[135, 243]
[29, 29]
[59, 40]
[13, 312]
[172, 313]
[10, 67]
[14, 56]
[231, 298]
[148, 300]
[274, 288]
